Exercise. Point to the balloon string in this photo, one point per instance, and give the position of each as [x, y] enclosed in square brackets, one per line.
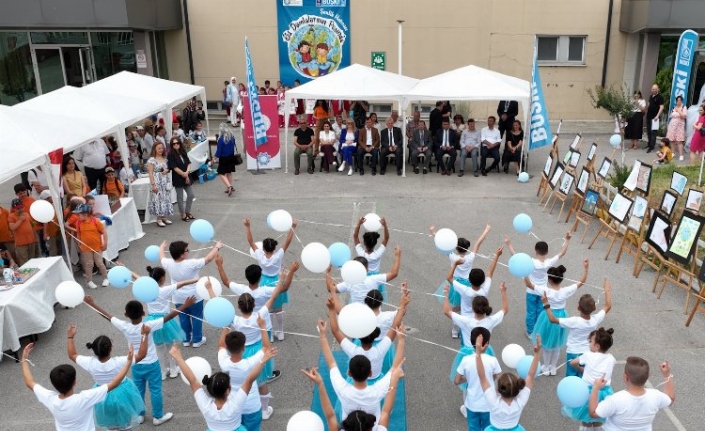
[426, 341]
[94, 309]
[547, 373]
[244, 326]
[25, 360]
[238, 251]
[534, 235]
[381, 282]
[342, 225]
[89, 247]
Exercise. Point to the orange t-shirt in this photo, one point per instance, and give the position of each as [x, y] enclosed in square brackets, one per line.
[52, 228]
[24, 234]
[112, 188]
[89, 232]
[5, 232]
[72, 219]
[27, 203]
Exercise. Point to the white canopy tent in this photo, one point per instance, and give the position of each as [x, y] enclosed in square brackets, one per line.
[355, 82]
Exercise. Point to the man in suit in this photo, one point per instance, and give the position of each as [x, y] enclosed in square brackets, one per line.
[368, 143]
[507, 110]
[420, 144]
[435, 118]
[392, 143]
[446, 143]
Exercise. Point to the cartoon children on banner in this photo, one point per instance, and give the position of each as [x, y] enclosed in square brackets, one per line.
[315, 51]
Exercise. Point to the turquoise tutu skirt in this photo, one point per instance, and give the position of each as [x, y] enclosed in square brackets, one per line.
[169, 333]
[553, 336]
[268, 369]
[388, 358]
[582, 413]
[453, 296]
[464, 351]
[121, 408]
[516, 428]
[271, 281]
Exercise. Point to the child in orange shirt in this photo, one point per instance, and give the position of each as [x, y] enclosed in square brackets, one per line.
[93, 240]
[51, 229]
[6, 238]
[112, 185]
[25, 237]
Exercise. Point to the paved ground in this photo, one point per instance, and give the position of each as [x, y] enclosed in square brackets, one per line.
[645, 326]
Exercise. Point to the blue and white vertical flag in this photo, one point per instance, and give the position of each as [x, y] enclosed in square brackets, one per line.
[540, 128]
[683, 65]
[258, 125]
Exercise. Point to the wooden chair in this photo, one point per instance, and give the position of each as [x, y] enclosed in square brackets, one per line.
[699, 297]
[679, 275]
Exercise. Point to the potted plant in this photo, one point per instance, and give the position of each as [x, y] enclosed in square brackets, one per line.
[617, 103]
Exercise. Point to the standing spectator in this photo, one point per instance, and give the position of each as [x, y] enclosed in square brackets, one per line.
[412, 125]
[160, 204]
[7, 241]
[51, 230]
[232, 98]
[225, 152]
[25, 238]
[458, 125]
[697, 142]
[22, 193]
[435, 118]
[180, 167]
[303, 141]
[238, 110]
[161, 135]
[310, 105]
[507, 111]
[93, 156]
[146, 142]
[338, 126]
[359, 109]
[112, 186]
[135, 159]
[177, 131]
[73, 180]
[37, 181]
[320, 114]
[226, 102]
[676, 125]
[192, 114]
[92, 241]
[125, 175]
[653, 113]
[635, 125]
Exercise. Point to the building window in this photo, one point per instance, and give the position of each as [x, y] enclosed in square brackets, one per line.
[17, 82]
[561, 50]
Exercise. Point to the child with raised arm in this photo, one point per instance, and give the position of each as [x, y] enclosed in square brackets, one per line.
[270, 260]
[147, 371]
[359, 291]
[71, 411]
[479, 283]
[636, 406]
[506, 402]
[123, 405]
[538, 277]
[385, 321]
[580, 327]
[461, 273]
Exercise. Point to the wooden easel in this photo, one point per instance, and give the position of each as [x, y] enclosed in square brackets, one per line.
[575, 204]
[568, 168]
[699, 297]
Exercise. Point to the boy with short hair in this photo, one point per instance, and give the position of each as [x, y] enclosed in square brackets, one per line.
[20, 224]
[92, 241]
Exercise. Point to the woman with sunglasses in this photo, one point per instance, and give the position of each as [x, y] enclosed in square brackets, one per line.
[180, 167]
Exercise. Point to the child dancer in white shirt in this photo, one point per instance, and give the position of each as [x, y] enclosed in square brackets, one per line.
[368, 250]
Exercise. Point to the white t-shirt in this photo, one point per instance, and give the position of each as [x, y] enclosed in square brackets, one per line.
[271, 266]
[375, 354]
[261, 295]
[385, 319]
[503, 415]
[133, 333]
[626, 412]
[185, 270]
[579, 330]
[249, 327]
[162, 305]
[359, 292]
[229, 417]
[490, 135]
[468, 293]
[475, 398]
[462, 270]
[74, 413]
[556, 298]
[373, 259]
[238, 372]
[540, 274]
[597, 365]
[351, 399]
[36, 175]
[468, 323]
[102, 372]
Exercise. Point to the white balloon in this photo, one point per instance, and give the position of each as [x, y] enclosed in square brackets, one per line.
[315, 257]
[372, 223]
[353, 272]
[259, 246]
[511, 355]
[42, 211]
[69, 293]
[281, 220]
[446, 240]
[200, 368]
[357, 320]
[201, 290]
[305, 421]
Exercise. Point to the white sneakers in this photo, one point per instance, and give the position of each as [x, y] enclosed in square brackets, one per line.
[342, 167]
[105, 283]
[680, 158]
[464, 411]
[454, 333]
[140, 419]
[186, 344]
[166, 418]
[266, 414]
[92, 285]
[174, 372]
[350, 171]
[279, 335]
[200, 343]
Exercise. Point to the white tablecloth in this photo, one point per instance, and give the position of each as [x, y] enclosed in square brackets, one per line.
[140, 190]
[198, 155]
[28, 308]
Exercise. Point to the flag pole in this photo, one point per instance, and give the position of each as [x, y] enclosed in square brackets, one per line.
[253, 97]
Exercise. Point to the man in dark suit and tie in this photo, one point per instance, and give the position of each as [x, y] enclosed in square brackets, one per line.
[367, 143]
[420, 144]
[446, 143]
[507, 111]
[392, 143]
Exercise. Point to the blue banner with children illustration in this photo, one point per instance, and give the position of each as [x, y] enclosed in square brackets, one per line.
[313, 38]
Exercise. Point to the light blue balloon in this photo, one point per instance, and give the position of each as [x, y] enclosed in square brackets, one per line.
[339, 254]
[202, 231]
[523, 367]
[521, 265]
[573, 392]
[219, 312]
[523, 223]
[119, 276]
[523, 177]
[269, 221]
[615, 140]
[145, 289]
[151, 253]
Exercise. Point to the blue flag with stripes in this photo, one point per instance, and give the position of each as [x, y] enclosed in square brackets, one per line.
[540, 128]
[258, 125]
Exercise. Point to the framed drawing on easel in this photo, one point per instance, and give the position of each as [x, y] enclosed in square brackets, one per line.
[583, 181]
[556, 177]
[547, 166]
[574, 159]
[678, 182]
[591, 152]
[668, 203]
[590, 205]
[576, 142]
[620, 207]
[686, 237]
[659, 232]
[643, 180]
[694, 200]
[604, 168]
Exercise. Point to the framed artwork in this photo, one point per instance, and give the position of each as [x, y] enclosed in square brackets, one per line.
[604, 168]
[583, 180]
[630, 183]
[566, 159]
[686, 237]
[701, 274]
[678, 182]
[590, 204]
[547, 166]
[668, 202]
[694, 200]
[576, 142]
[556, 177]
[643, 180]
[566, 183]
[638, 212]
[620, 207]
[591, 153]
[574, 159]
[659, 232]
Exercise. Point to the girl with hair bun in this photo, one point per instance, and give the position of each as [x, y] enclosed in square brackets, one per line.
[368, 251]
[123, 406]
[554, 337]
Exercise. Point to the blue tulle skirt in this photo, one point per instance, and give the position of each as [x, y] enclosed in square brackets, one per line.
[569, 370]
[121, 408]
[516, 428]
[453, 296]
[582, 413]
[268, 369]
[270, 281]
[388, 358]
[169, 333]
[464, 351]
[553, 336]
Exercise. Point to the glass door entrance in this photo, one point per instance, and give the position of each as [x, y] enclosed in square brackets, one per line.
[57, 66]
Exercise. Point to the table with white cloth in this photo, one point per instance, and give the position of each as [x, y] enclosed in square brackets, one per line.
[198, 154]
[28, 308]
[140, 189]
